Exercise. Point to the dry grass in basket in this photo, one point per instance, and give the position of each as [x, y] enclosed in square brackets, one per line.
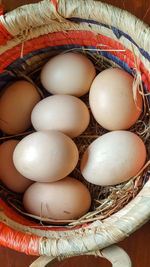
[105, 200]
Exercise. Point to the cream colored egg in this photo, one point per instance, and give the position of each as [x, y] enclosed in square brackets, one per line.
[111, 100]
[69, 73]
[45, 156]
[64, 113]
[8, 173]
[16, 104]
[63, 200]
[113, 158]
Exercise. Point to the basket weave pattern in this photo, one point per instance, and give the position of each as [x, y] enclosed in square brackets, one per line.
[50, 25]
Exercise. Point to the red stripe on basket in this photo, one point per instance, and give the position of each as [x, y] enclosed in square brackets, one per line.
[4, 34]
[15, 216]
[85, 38]
[54, 3]
[2, 8]
[19, 241]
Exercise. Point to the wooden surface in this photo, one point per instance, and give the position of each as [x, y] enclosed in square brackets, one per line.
[138, 244]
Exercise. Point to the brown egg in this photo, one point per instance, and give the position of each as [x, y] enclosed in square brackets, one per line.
[70, 73]
[8, 173]
[62, 200]
[113, 158]
[111, 100]
[45, 156]
[16, 104]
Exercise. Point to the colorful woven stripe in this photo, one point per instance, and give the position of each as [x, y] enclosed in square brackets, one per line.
[12, 60]
[75, 39]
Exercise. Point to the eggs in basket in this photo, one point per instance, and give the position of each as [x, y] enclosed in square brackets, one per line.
[43, 164]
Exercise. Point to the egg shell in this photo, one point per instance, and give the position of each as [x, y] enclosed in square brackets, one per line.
[113, 158]
[69, 73]
[45, 156]
[16, 104]
[8, 173]
[64, 113]
[62, 200]
[111, 100]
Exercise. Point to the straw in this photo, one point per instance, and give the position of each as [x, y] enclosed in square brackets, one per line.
[114, 197]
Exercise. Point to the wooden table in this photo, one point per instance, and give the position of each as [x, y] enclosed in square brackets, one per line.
[138, 244]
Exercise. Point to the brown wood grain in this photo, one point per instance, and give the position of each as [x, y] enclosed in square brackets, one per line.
[138, 244]
[140, 8]
[12, 4]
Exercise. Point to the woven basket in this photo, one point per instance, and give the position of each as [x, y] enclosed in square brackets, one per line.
[27, 35]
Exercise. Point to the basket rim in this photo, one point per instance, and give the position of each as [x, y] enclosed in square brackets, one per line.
[31, 21]
[118, 225]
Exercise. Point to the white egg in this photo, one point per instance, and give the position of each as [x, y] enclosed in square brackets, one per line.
[66, 199]
[64, 113]
[69, 73]
[45, 156]
[113, 158]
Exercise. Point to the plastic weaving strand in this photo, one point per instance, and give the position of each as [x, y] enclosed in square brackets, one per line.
[28, 244]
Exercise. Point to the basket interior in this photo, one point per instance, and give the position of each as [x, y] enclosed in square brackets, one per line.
[25, 60]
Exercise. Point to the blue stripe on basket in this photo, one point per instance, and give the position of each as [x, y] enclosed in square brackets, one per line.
[146, 178]
[5, 78]
[17, 64]
[116, 31]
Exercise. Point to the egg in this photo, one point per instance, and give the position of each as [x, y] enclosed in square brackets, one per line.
[16, 104]
[45, 156]
[111, 100]
[64, 113]
[62, 200]
[69, 73]
[113, 158]
[8, 173]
